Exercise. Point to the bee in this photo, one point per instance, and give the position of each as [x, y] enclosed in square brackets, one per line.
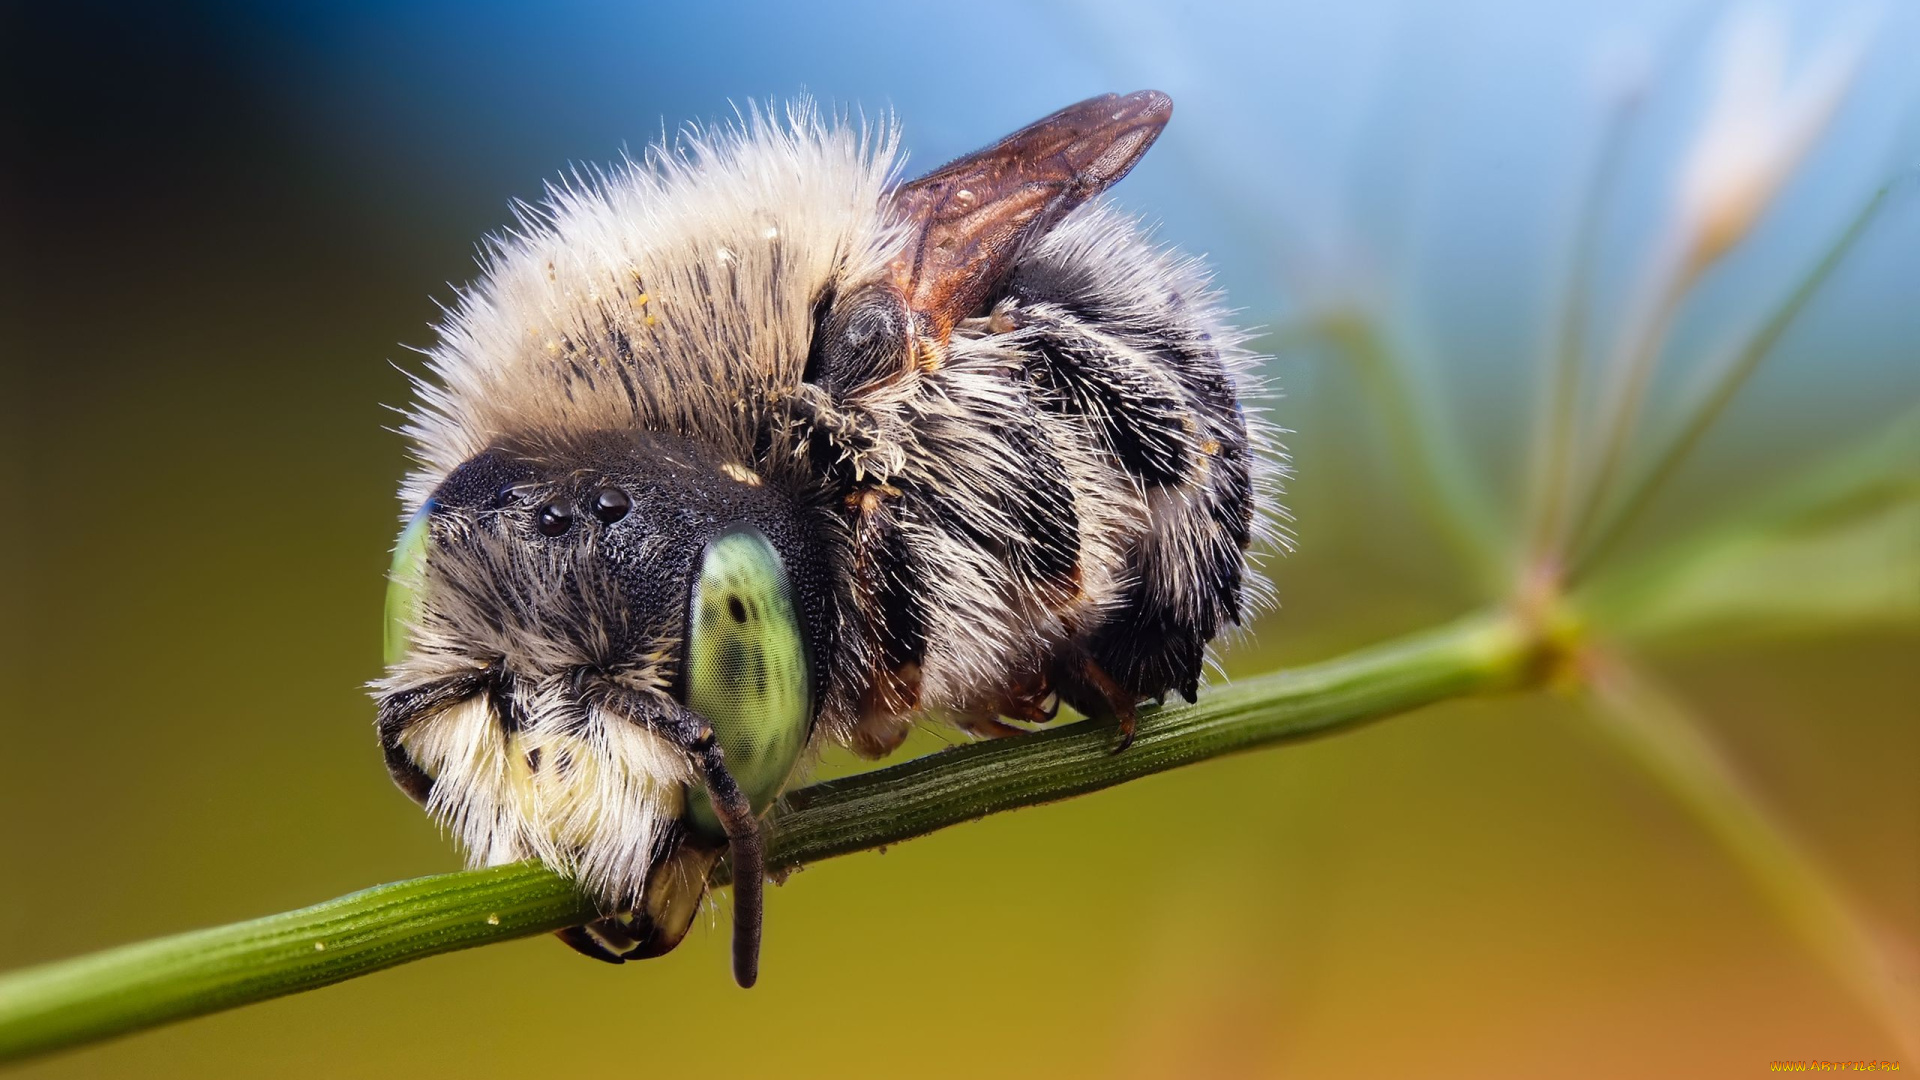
[744, 449]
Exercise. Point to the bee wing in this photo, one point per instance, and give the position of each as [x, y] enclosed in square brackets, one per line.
[974, 214]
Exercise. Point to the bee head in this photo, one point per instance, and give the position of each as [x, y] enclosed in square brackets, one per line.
[569, 624]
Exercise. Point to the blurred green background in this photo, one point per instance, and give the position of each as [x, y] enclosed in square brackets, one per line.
[226, 223]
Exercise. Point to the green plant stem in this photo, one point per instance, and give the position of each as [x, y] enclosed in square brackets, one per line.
[143, 985]
[1441, 482]
[1631, 371]
[73, 1002]
[1720, 390]
[1555, 438]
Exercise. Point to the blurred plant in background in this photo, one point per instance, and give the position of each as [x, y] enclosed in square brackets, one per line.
[1833, 549]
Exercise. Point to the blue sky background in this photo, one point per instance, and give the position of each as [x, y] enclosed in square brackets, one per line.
[1428, 154]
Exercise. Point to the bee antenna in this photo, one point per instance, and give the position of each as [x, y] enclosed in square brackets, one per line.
[746, 845]
[748, 853]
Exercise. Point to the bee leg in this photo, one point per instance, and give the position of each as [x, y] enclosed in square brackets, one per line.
[986, 727]
[400, 710]
[1119, 701]
[1087, 687]
[879, 731]
[892, 605]
[1030, 700]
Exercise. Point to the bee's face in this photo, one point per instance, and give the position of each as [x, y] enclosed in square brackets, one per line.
[588, 598]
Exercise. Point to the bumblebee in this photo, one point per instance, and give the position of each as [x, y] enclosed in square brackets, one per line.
[743, 449]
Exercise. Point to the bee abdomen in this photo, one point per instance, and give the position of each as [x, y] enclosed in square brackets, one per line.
[1141, 412]
[1035, 528]
[1181, 596]
[1129, 341]
[1048, 525]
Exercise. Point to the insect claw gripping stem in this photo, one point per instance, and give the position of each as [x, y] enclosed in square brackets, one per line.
[1127, 717]
[1120, 703]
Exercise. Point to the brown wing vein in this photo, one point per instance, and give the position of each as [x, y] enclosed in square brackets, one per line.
[976, 213]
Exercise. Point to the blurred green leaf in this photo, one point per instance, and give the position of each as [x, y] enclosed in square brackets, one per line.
[1724, 381]
[1836, 549]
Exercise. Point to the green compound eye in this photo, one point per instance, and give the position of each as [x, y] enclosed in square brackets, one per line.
[748, 673]
[403, 584]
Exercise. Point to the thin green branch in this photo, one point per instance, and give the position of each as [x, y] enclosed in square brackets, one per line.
[1631, 370]
[1725, 383]
[1824, 549]
[73, 1002]
[1554, 440]
[1440, 480]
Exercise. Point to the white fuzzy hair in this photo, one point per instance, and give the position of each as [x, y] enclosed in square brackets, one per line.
[678, 294]
[767, 210]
